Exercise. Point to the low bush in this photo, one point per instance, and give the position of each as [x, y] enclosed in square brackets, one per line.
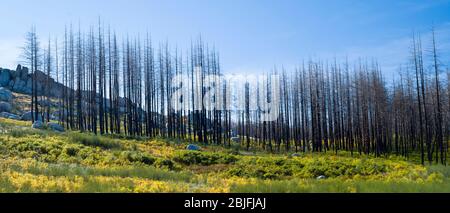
[137, 157]
[94, 140]
[73, 170]
[23, 132]
[203, 158]
[71, 150]
[330, 167]
[164, 163]
[264, 168]
[338, 185]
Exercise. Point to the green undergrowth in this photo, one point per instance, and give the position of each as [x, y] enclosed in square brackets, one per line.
[44, 161]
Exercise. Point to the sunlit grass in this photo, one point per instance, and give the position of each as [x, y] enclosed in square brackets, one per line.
[45, 161]
[338, 185]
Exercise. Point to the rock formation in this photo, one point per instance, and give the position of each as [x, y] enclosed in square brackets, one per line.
[20, 81]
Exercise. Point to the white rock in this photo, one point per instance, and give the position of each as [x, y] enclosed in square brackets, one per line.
[55, 126]
[38, 125]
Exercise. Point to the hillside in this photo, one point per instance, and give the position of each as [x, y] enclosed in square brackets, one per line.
[46, 161]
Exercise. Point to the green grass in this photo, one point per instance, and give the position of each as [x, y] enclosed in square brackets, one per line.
[89, 139]
[340, 186]
[203, 158]
[73, 170]
[44, 161]
[275, 167]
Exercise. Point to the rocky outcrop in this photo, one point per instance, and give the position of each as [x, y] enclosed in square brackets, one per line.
[5, 77]
[5, 106]
[38, 125]
[27, 116]
[321, 177]
[6, 98]
[20, 81]
[21, 86]
[236, 139]
[50, 125]
[193, 147]
[55, 127]
[9, 115]
[5, 94]
[46, 103]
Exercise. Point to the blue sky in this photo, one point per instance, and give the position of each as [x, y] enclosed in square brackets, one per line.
[250, 35]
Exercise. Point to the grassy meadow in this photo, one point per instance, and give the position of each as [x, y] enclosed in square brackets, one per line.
[44, 161]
